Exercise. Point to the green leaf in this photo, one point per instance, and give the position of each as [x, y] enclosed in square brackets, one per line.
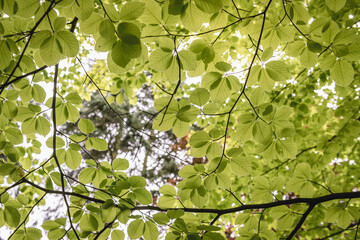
[99, 144]
[220, 90]
[198, 45]
[208, 54]
[302, 171]
[193, 182]
[335, 5]
[164, 123]
[175, 213]
[109, 214]
[39, 37]
[68, 43]
[12, 95]
[294, 49]
[59, 142]
[73, 112]
[26, 93]
[199, 197]
[308, 58]
[104, 45]
[38, 93]
[208, 228]
[12, 153]
[199, 139]
[267, 54]
[137, 182]
[28, 126]
[118, 56]
[49, 224]
[167, 190]
[257, 97]
[342, 73]
[132, 10]
[332, 213]
[72, 159]
[277, 70]
[209, 78]
[166, 202]
[344, 219]
[111, 11]
[117, 235]
[223, 66]
[136, 229]
[107, 29]
[50, 51]
[124, 215]
[262, 132]
[241, 166]
[209, 6]
[266, 82]
[192, 17]
[214, 150]
[23, 113]
[187, 60]
[151, 231]
[56, 177]
[126, 29]
[87, 175]
[14, 135]
[341, 50]
[187, 171]
[86, 126]
[6, 169]
[161, 218]
[83, 9]
[160, 60]
[27, 8]
[11, 216]
[314, 46]
[120, 164]
[175, 7]
[33, 233]
[329, 31]
[73, 98]
[9, 109]
[210, 182]
[42, 126]
[88, 222]
[131, 46]
[5, 54]
[287, 149]
[56, 233]
[199, 96]
[91, 24]
[286, 221]
[143, 196]
[213, 236]
[152, 13]
[59, 23]
[180, 128]
[188, 113]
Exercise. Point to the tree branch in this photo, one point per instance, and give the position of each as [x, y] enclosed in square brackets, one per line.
[300, 223]
[54, 147]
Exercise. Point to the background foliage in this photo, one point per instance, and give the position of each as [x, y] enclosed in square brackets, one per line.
[263, 97]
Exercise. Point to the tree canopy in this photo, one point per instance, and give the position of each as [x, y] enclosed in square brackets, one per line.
[264, 95]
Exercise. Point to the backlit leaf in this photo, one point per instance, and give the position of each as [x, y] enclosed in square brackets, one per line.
[86, 126]
[136, 229]
[131, 10]
[342, 73]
